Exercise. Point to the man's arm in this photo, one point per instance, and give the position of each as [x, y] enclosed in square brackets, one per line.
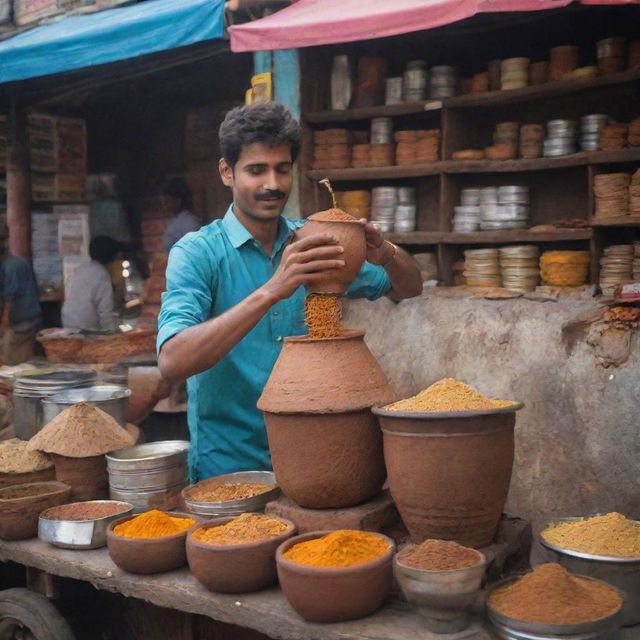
[200, 347]
[402, 269]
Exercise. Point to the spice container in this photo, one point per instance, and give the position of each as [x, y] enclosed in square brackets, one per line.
[393, 91]
[514, 73]
[466, 218]
[341, 84]
[245, 561]
[590, 129]
[381, 131]
[414, 82]
[616, 267]
[561, 138]
[442, 597]
[383, 207]
[192, 495]
[80, 525]
[621, 571]
[442, 82]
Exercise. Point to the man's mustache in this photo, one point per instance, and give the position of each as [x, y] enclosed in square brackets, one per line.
[270, 195]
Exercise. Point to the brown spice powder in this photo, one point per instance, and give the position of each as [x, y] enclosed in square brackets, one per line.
[248, 527]
[439, 555]
[85, 511]
[15, 458]
[333, 215]
[448, 395]
[226, 492]
[322, 315]
[81, 431]
[551, 595]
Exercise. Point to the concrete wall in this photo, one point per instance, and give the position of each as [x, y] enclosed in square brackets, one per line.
[578, 437]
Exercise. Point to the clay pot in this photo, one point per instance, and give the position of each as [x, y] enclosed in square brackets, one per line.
[334, 594]
[239, 568]
[449, 474]
[147, 555]
[19, 516]
[350, 236]
[326, 446]
[87, 477]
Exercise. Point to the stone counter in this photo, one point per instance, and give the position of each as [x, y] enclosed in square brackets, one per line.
[577, 439]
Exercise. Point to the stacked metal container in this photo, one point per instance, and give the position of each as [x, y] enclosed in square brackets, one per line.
[467, 213]
[405, 216]
[514, 73]
[381, 131]
[393, 90]
[505, 207]
[383, 207]
[414, 81]
[442, 82]
[561, 138]
[590, 127]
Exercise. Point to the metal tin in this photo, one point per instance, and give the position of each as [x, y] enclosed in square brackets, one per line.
[442, 92]
[416, 64]
[405, 211]
[404, 226]
[406, 195]
[381, 130]
[471, 211]
[393, 91]
[512, 629]
[154, 455]
[234, 507]
[442, 598]
[415, 78]
[111, 398]
[442, 69]
[79, 534]
[384, 196]
[145, 499]
[611, 47]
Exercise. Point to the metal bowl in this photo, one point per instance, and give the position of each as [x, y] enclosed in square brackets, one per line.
[148, 456]
[234, 507]
[439, 415]
[622, 573]
[79, 534]
[512, 629]
[443, 598]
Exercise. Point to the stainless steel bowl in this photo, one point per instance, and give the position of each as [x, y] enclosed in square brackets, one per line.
[622, 573]
[79, 534]
[234, 507]
[443, 598]
[512, 629]
[165, 499]
[155, 455]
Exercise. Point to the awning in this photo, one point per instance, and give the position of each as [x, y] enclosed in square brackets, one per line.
[315, 22]
[108, 36]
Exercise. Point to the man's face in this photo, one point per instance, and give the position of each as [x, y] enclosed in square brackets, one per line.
[261, 180]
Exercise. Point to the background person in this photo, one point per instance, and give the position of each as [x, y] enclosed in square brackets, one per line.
[176, 202]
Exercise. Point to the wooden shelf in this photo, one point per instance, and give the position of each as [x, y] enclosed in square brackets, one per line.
[452, 167]
[364, 113]
[541, 91]
[620, 221]
[488, 237]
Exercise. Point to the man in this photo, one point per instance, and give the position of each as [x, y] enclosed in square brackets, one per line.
[21, 314]
[236, 288]
[176, 202]
[89, 302]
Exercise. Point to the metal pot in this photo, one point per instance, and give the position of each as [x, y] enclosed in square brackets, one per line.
[111, 398]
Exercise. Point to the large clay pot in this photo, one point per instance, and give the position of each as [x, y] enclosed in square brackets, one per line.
[449, 474]
[350, 236]
[87, 477]
[326, 446]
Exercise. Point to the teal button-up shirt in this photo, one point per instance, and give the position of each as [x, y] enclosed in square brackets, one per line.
[209, 272]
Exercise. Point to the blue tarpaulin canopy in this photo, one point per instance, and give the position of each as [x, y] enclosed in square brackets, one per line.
[108, 36]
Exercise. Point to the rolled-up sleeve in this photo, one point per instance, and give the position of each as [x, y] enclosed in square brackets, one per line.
[372, 283]
[191, 281]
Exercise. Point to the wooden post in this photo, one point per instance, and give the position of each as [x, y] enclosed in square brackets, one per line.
[18, 185]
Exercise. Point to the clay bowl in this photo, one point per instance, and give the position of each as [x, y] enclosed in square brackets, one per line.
[19, 516]
[147, 555]
[323, 594]
[350, 236]
[235, 568]
[44, 475]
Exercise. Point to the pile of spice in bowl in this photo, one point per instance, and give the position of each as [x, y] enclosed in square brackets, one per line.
[237, 555]
[550, 595]
[152, 542]
[441, 580]
[605, 547]
[80, 525]
[19, 465]
[331, 577]
[231, 494]
[448, 395]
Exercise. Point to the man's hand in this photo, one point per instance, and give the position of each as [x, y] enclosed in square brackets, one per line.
[379, 251]
[304, 261]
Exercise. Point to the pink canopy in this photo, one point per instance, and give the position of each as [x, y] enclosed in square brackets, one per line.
[309, 23]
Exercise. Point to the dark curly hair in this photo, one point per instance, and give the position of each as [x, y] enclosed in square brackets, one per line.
[177, 188]
[268, 122]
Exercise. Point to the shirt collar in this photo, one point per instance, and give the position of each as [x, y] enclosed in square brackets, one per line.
[238, 234]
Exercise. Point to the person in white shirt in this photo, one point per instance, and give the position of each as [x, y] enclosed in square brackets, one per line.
[89, 300]
[176, 201]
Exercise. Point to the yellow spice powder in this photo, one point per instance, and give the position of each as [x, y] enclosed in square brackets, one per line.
[608, 535]
[322, 315]
[448, 395]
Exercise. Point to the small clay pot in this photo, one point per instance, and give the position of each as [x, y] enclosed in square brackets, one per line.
[350, 236]
[87, 477]
[19, 516]
[327, 594]
[147, 555]
[236, 568]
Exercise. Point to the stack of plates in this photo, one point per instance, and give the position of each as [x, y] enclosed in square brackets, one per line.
[466, 218]
[514, 73]
[561, 138]
[612, 194]
[519, 267]
[564, 268]
[481, 268]
[383, 207]
[405, 217]
[442, 82]
[505, 207]
[616, 267]
[590, 127]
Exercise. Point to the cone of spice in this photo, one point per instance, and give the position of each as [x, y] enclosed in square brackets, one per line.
[18, 465]
[439, 555]
[77, 439]
[551, 595]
